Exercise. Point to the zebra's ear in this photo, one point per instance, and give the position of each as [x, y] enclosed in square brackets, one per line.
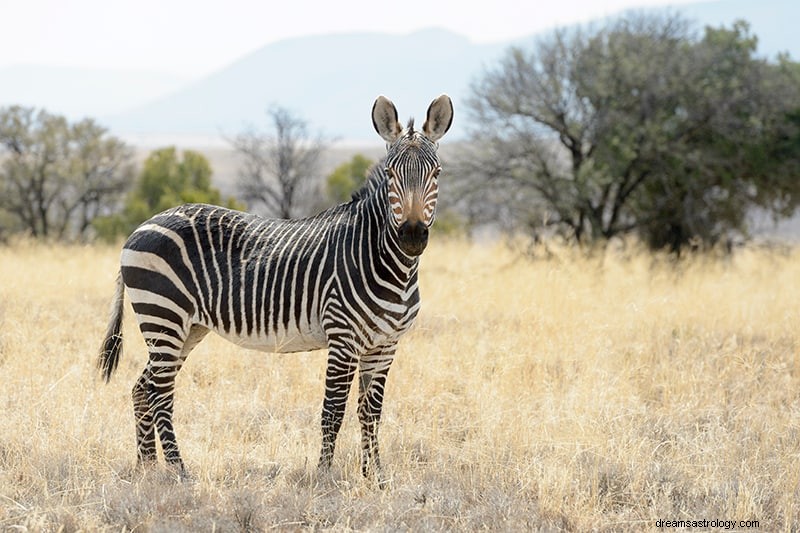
[440, 117]
[384, 118]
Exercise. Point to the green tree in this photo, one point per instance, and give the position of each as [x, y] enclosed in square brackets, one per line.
[57, 177]
[347, 178]
[636, 127]
[165, 181]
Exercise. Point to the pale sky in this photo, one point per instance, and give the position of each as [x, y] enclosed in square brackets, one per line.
[196, 37]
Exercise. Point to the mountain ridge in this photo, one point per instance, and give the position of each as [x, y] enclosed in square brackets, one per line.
[329, 80]
[322, 78]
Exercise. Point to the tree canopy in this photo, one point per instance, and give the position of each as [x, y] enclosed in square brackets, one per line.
[56, 177]
[347, 178]
[637, 127]
[166, 180]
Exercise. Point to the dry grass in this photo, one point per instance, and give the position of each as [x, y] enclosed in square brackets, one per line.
[532, 395]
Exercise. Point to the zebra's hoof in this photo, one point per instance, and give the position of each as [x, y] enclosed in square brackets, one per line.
[179, 473]
[185, 477]
[378, 477]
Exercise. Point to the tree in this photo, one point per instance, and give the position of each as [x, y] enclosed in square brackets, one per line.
[347, 178]
[165, 181]
[279, 170]
[56, 177]
[638, 127]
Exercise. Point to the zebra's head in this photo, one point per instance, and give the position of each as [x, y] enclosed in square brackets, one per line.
[412, 166]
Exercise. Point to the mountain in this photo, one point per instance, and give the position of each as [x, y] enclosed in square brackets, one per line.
[330, 81]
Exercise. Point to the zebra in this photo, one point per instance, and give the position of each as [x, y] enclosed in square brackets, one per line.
[345, 279]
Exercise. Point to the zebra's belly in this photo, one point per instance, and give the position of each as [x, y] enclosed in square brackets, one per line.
[290, 340]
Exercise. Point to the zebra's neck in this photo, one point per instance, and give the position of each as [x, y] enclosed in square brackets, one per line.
[385, 239]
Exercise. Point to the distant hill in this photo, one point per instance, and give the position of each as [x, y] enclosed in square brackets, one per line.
[331, 81]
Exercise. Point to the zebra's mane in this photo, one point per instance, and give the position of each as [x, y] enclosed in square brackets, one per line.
[376, 175]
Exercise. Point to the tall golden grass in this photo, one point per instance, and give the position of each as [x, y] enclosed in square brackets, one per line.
[565, 394]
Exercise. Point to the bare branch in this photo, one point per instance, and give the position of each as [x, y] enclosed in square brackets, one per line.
[279, 169]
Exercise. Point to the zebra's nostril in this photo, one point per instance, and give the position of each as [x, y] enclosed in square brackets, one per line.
[402, 231]
[412, 237]
[416, 231]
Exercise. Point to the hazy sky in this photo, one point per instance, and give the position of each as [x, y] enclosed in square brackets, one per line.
[195, 37]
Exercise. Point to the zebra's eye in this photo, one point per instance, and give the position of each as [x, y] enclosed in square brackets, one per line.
[436, 172]
[389, 172]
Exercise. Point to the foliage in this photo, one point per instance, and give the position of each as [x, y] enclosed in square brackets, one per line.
[165, 181]
[280, 168]
[636, 127]
[449, 223]
[56, 177]
[347, 178]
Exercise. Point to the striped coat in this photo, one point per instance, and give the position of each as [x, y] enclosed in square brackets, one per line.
[345, 279]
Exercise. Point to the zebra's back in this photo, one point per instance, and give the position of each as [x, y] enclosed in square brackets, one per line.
[257, 282]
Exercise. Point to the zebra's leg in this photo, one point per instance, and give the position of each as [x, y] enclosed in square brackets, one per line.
[196, 334]
[145, 430]
[372, 371]
[166, 360]
[338, 378]
[161, 401]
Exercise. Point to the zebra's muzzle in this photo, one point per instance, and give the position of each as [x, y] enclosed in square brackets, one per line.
[413, 237]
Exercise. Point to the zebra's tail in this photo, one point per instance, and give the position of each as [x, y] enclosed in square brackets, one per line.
[108, 360]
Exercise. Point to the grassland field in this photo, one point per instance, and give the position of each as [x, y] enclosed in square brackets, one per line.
[575, 393]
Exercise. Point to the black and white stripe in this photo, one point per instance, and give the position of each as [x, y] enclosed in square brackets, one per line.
[345, 279]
